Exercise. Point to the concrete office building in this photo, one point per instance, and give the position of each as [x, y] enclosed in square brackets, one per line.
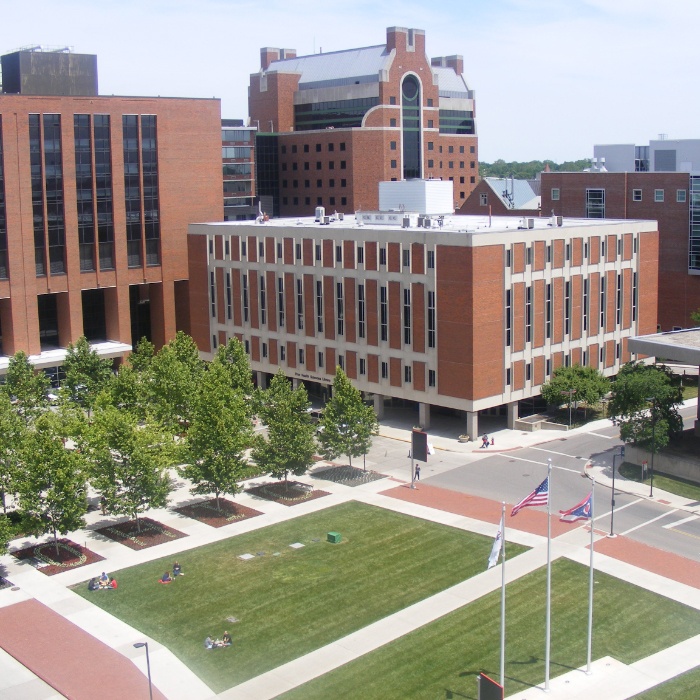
[96, 194]
[334, 125]
[429, 310]
[238, 169]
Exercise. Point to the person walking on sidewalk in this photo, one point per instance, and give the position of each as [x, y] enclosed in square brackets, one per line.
[484, 441]
[417, 472]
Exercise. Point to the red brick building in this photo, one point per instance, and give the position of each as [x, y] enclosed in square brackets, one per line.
[666, 197]
[339, 123]
[95, 197]
[464, 318]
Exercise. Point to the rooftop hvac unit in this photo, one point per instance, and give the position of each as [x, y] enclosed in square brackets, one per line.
[530, 223]
[320, 213]
[560, 220]
[341, 216]
[421, 219]
[326, 221]
[406, 222]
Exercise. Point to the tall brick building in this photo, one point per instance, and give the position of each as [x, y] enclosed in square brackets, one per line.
[95, 197]
[336, 124]
[441, 313]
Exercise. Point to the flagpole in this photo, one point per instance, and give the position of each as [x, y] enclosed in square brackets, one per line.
[503, 594]
[590, 589]
[549, 578]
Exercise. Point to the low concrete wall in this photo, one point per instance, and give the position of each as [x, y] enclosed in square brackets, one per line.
[666, 463]
[532, 426]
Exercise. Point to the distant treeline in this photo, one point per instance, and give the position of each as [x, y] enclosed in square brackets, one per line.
[528, 171]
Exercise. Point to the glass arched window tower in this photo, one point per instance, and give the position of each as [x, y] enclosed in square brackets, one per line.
[410, 109]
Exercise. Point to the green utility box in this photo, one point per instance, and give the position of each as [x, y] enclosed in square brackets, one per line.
[334, 537]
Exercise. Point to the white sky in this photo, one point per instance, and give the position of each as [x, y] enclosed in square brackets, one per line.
[552, 77]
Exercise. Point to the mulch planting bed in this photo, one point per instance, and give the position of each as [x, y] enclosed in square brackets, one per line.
[44, 558]
[151, 534]
[347, 475]
[290, 495]
[206, 512]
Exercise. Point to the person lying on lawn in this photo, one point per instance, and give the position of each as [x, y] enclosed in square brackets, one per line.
[166, 578]
[226, 639]
[177, 571]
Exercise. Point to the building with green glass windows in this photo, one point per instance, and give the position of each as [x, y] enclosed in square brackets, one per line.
[331, 126]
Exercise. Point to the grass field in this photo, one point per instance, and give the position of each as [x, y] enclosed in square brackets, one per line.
[442, 659]
[683, 687]
[298, 600]
[680, 487]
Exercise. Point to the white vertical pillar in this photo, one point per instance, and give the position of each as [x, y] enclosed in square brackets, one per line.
[473, 424]
[512, 414]
[379, 405]
[424, 415]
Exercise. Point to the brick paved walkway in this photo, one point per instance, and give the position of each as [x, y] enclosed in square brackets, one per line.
[70, 660]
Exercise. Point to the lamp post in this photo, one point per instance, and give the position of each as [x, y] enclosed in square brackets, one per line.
[570, 393]
[652, 401]
[612, 499]
[138, 645]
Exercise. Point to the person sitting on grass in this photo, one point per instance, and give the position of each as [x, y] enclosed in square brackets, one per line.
[226, 639]
[166, 578]
[177, 571]
[93, 584]
[208, 643]
[112, 583]
[104, 580]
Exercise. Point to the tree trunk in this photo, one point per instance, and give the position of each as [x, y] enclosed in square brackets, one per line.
[350, 458]
[138, 523]
[218, 507]
[4, 505]
[55, 541]
[286, 483]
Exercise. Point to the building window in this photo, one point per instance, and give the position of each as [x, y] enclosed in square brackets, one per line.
[229, 297]
[280, 301]
[341, 362]
[331, 146]
[343, 182]
[595, 203]
[548, 312]
[410, 110]
[618, 301]
[509, 317]
[658, 195]
[318, 251]
[343, 164]
[263, 300]
[585, 304]
[339, 253]
[301, 356]
[382, 256]
[472, 180]
[283, 351]
[279, 251]
[567, 307]
[340, 306]
[245, 298]
[342, 145]
[297, 251]
[331, 183]
[306, 148]
[555, 194]
[548, 367]
[264, 349]
[508, 376]
[393, 164]
[602, 303]
[383, 314]
[483, 199]
[307, 201]
[320, 359]
[634, 296]
[528, 372]
[385, 370]
[343, 201]
[407, 374]
[392, 145]
[360, 255]
[361, 310]
[307, 165]
[431, 259]
[300, 304]
[319, 306]
[451, 164]
[392, 99]
[431, 320]
[681, 196]
[407, 316]
[319, 183]
[430, 123]
[431, 377]
[431, 163]
[508, 257]
[528, 255]
[567, 252]
[430, 145]
[528, 314]
[392, 122]
[406, 258]
[636, 195]
[212, 293]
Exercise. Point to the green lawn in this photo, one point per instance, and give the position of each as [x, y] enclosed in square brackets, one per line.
[299, 600]
[442, 659]
[683, 687]
[680, 487]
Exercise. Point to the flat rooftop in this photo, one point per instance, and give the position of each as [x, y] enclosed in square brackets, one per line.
[394, 220]
[679, 346]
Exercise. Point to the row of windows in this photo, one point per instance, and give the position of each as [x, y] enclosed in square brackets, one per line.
[596, 198]
[319, 165]
[319, 201]
[451, 149]
[588, 249]
[319, 183]
[340, 359]
[330, 147]
[359, 253]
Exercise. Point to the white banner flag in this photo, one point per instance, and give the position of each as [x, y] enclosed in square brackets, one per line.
[497, 544]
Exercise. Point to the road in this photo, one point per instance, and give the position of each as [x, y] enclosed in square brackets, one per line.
[510, 476]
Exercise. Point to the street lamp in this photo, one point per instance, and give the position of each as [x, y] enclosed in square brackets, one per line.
[612, 499]
[652, 401]
[138, 645]
[570, 393]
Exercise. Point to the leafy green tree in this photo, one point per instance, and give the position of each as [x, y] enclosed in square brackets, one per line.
[27, 388]
[588, 384]
[171, 382]
[530, 169]
[347, 424]
[218, 436]
[233, 357]
[645, 400]
[6, 533]
[52, 486]
[695, 317]
[290, 445]
[12, 433]
[142, 356]
[125, 390]
[128, 462]
[86, 374]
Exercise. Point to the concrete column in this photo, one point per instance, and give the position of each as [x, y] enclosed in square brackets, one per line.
[379, 405]
[512, 414]
[260, 380]
[473, 424]
[295, 383]
[424, 415]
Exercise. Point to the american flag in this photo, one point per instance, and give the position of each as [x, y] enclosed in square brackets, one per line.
[539, 497]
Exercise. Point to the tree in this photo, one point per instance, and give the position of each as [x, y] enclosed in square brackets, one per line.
[290, 445]
[52, 486]
[12, 433]
[695, 317]
[233, 357]
[218, 436]
[645, 400]
[142, 356]
[86, 374]
[347, 424]
[171, 382]
[5, 533]
[128, 462]
[588, 384]
[26, 387]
